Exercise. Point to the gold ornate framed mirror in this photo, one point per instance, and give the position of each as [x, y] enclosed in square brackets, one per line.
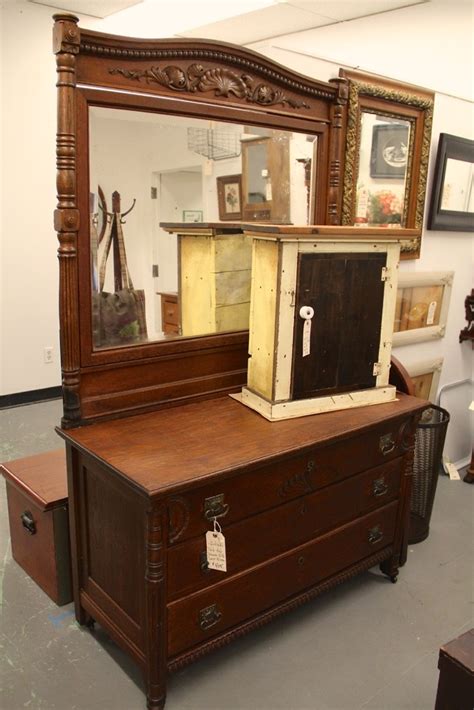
[388, 133]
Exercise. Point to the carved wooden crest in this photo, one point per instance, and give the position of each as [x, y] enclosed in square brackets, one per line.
[220, 81]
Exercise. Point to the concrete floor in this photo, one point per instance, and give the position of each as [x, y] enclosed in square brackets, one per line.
[368, 644]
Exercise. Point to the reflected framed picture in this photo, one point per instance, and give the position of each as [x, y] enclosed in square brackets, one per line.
[452, 195]
[192, 215]
[389, 153]
[229, 197]
[422, 305]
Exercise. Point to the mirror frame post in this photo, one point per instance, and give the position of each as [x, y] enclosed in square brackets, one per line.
[66, 42]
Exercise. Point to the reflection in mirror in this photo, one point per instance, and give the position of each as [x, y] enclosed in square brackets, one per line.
[170, 166]
[382, 175]
[458, 192]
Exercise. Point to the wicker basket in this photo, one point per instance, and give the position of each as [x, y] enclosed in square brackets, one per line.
[430, 436]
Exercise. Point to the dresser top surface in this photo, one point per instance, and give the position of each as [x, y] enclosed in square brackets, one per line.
[175, 447]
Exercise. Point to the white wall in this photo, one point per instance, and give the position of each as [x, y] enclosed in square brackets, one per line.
[428, 44]
[28, 266]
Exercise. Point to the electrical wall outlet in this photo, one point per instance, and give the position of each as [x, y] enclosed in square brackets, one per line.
[48, 354]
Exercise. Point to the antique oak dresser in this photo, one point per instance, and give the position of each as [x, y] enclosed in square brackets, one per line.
[158, 453]
[303, 504]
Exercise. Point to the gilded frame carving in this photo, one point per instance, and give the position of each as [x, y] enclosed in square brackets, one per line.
[396, 100]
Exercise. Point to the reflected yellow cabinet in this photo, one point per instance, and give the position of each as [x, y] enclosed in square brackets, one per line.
[214, 267]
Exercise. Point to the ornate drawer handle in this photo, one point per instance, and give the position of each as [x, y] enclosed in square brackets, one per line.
[386, 444]
[28, 522]
[379, 487]
[209, 617]
[214, 507]
[375, 535]
[203, 563]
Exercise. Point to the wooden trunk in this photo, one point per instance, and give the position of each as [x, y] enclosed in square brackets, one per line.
[38, 517]
[303, 504]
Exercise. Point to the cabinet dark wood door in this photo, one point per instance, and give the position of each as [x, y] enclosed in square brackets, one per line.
[346, 293]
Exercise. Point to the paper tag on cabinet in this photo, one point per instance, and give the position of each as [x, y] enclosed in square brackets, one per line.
[431, 313]
[215, 551]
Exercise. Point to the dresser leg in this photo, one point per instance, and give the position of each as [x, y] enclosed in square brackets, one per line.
[155, 608]
[155, 703]
[390, 568]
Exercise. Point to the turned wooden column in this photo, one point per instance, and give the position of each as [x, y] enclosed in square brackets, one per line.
[66, 39]
[155, 605]
[336, 153]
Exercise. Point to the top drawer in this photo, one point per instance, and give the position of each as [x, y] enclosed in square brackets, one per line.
[279, 481]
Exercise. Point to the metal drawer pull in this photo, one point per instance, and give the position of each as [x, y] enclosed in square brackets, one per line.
[28, 522]
[203, 563]
[386, 444]
[209, 616]
[375, 535]
[379, 487]
[214, 507]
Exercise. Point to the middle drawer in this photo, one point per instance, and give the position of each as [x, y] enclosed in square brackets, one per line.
[261, 537]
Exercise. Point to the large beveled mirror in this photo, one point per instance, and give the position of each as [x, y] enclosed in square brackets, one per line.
[168, 168]
[386, 158]
[160, 132]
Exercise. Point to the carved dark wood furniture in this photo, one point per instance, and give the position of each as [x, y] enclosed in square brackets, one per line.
[326, 496]
[38, 517]
[304, 504]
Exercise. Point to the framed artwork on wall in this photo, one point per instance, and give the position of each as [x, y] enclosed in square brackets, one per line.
[192, 215]
[422, 306]
[425, 376]
[229, 196]
[452, 196]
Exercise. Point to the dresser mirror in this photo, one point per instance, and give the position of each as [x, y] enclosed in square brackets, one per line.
[386, 158]
[185, 131]
[163, 168]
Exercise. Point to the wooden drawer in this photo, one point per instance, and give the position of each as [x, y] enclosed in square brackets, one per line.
[262, 537]
[204, 614]
[170, 312]
[282, 480]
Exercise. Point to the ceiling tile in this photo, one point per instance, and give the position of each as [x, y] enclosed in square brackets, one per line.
[349, 9]
[253, 26]
[95, 8]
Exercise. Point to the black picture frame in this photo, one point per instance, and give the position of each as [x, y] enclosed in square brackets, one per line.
[457, 148]
[389, 152]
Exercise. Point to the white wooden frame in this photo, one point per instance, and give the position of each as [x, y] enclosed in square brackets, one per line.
[426, 367]
[415, 279]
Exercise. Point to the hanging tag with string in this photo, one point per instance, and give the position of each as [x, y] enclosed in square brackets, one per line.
[306, 313]
[215, 548]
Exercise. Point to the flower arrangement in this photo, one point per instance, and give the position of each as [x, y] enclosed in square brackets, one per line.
[384, 207]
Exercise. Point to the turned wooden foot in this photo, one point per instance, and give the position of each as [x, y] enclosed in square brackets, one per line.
[156, 703]
[83, 618]
[390, 569]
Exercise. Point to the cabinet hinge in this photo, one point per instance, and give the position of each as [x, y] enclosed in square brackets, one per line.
[385, 274]
[377, 369]
[154, 193]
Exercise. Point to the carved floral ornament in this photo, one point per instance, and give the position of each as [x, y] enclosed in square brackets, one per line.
[222, 82]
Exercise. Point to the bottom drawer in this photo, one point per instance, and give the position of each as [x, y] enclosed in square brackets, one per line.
[202, 615]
